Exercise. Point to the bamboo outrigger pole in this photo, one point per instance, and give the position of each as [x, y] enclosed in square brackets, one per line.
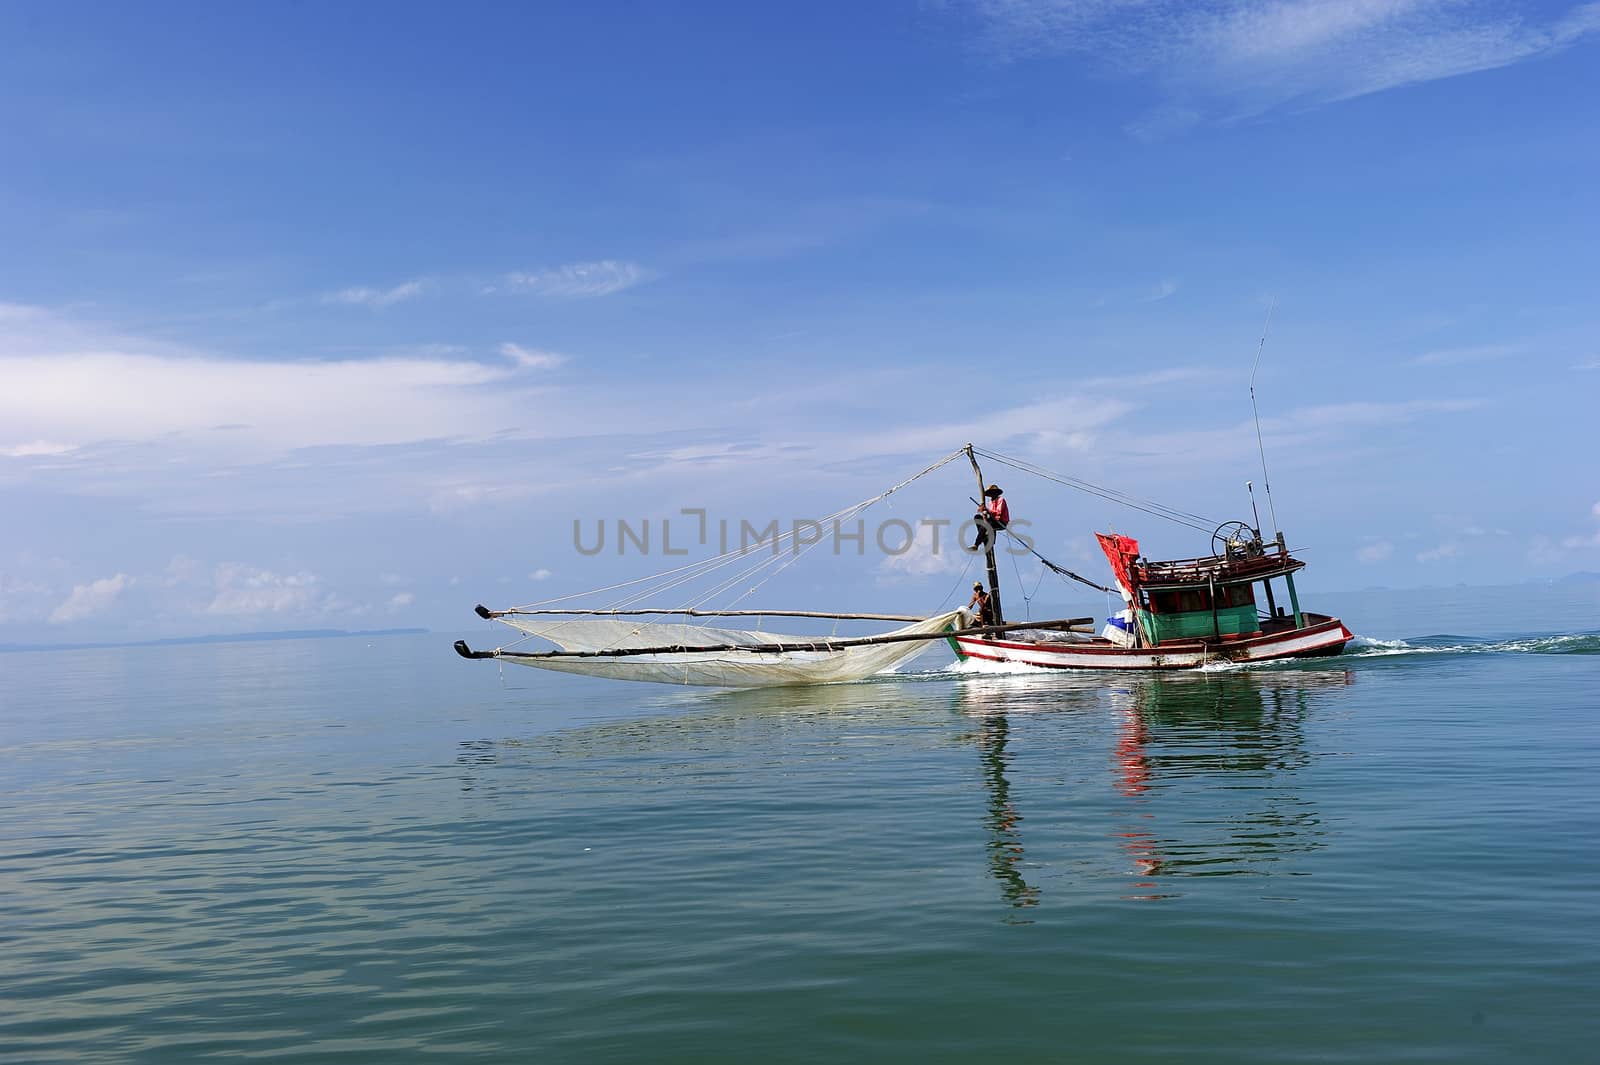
[488, 615]
[1067, 624]
[988, 545]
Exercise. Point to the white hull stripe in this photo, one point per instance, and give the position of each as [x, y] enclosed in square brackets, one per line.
[1322, 637]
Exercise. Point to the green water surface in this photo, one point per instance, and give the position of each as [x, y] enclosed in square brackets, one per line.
[371, 851]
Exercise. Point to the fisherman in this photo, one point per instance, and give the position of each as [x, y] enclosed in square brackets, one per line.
[981, 605]
[993, 515]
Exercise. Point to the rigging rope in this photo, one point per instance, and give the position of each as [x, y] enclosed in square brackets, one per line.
[1148, 506]
[787, 542]
[657, 583]
[959, 581]
[1027, 600]
[1062, 570]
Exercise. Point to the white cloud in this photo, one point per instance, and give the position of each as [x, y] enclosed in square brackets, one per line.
[246, 590]
[1300, 428]
[63, 387]
[539, 575]
[532, 358]
[401, 600]
[1372, 412]
[1457, 356]
[1162, 291]
[579, 280]
[1447, 550]
[36, 449]
[1254, 55]
[1375, 552]
[1143, 382]
[1040, 423]
[361, 296]
[95, 597]
[1584, 542]
[932, 550]
[21, 597]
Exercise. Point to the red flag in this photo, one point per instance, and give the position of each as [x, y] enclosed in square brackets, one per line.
[1120, 552]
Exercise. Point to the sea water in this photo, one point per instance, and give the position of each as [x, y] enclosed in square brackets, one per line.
[371, 850]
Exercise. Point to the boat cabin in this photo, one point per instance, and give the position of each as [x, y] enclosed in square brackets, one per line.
[1215, 598]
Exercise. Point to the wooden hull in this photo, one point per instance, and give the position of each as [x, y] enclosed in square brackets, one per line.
[1322, 635]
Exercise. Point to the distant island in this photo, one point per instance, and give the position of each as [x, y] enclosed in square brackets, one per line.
[234, 637]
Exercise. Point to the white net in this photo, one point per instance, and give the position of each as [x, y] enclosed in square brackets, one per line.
[740, 666]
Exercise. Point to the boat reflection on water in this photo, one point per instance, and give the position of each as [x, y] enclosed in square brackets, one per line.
[994, 698]
[1005, 841]
[1087, 783]
[1203, 770]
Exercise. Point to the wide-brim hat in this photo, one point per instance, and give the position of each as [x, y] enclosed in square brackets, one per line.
[993, 490]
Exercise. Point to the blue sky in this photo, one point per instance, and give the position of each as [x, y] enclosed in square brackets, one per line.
[341, 315]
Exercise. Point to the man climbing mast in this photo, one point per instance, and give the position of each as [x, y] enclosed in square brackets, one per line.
[993, 516]
[993, 507]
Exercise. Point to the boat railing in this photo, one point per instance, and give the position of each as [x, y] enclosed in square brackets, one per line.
[1216, 567]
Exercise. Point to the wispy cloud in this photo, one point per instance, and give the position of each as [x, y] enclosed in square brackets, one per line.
[1445, 551]
[1590, 540]
[22, 597]
[532, 358]
[77, 398]
[1248, 56]
[931, 550]
[1161, 291]
[1376, 552]
[361, 296]
[1458, 356]
[1302, 428]
[189, 594]
[1066, 423]
[96, 597]
[247, 590]
[35, 449]
[604, 277]
[64, 387]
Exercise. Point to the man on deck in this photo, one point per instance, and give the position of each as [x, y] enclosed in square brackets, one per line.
[994, 515]
[981, 605]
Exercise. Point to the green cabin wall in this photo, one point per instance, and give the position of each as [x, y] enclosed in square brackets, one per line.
[1228, 619]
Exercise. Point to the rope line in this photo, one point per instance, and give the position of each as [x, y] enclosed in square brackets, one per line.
[658, 583]
[786, 548]
[1148, 506]
[1062, 570]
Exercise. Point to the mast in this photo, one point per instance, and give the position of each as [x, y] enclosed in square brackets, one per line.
[988, 545]
[1255, 412]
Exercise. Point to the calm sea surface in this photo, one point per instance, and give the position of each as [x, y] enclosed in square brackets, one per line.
[373, 851]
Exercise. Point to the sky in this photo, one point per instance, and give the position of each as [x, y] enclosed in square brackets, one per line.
[344, 315]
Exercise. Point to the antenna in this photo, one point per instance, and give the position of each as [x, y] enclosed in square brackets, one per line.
[1266, 482]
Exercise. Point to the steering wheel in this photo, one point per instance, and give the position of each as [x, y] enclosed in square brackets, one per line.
[1236, 539]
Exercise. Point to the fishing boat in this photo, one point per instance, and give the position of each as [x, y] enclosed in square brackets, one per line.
[1181, 614]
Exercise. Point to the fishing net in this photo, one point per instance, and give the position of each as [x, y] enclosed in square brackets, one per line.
[714, 657]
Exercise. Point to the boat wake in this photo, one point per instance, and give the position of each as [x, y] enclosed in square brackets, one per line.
[1572, 643]
[985, 666]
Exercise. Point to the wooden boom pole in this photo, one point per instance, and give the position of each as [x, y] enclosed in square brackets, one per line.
[484, 612]
[779, 648]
